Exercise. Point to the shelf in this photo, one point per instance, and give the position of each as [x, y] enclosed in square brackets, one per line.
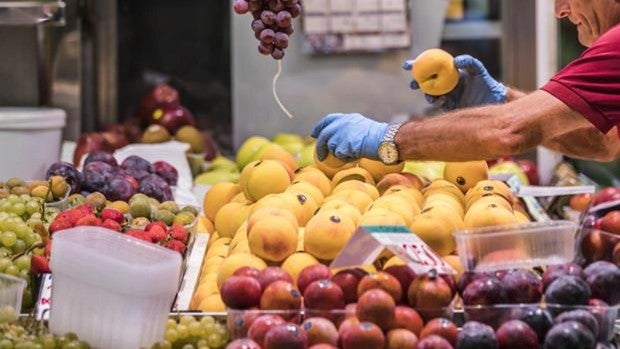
[472, 30]
[32, 12]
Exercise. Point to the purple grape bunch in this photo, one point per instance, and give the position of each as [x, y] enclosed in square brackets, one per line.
[272, 24]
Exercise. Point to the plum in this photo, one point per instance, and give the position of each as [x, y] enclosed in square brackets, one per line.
[137, 163]
[467, 278]
[605, 345]
[555, 271]
[120, 188]
[484, 291]
[522, 286]
[68, 172]
[540, 320]
[434, 342]
[569, 290]
[476, 335]
[582, 316]
[96, 176]
[166, 171]
[155, 187]
[102, 156]
[604, 280]
[569, 334]
[516, 334]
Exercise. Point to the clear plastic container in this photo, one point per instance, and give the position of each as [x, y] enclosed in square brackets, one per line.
[112, 290]
[11, 291]
[516, 245]
[597, 245]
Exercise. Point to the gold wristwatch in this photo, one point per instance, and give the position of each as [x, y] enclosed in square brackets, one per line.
[387, 152]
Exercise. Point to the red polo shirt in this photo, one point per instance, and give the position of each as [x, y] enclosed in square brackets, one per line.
[590, 84]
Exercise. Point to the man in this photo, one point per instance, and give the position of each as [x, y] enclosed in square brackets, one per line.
[574, 113]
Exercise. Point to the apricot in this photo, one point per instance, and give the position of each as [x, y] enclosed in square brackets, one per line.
[466, 174]
[357, 185]
[488, 215]
[352, 174]
[331, 164]
[435, 73]
[260, 178]
[273, 238]
[327, 233]
[378, 169]
[230, 217]
[316, 177]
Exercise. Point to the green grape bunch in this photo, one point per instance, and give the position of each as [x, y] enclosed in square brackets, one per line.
[190, 333]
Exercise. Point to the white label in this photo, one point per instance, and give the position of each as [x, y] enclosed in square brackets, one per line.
[316, 25]
[315, 6]
[43, 304]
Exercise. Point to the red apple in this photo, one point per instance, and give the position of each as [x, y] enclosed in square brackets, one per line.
[434, 342]
[286, 336]
[347, 324]
[89, 142]
[323, 295]
[159, 96]
[407, 318]
[247, 271]
[429, 295]
[322, 346]
[611, 222]
[441, 327]
[404, 275]
[312, 273]
[400, 339]
[239, 322]
[605, 195]
[272, 274]
[241, 292]
[172, 117]
[381, 280]
[320, 330]
[530, 169]
[243, 343]
[281, 295]
[133, 131]
[115, 136]
[376, 306]
[262, 325]
[210, 146]
[365, 335]
[348, 281]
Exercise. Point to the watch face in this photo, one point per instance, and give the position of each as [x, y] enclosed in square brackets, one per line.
[388, 153]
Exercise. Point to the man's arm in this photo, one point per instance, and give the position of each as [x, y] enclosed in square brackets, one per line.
[513, 94]
[489, 132]
[587, 143]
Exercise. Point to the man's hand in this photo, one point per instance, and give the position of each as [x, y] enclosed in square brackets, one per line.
[475, 87]
[348, 136]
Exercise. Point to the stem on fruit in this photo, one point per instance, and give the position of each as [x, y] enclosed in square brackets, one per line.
[275, 93]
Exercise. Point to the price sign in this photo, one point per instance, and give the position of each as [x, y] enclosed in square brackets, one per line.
[45, 298]
[371, 241]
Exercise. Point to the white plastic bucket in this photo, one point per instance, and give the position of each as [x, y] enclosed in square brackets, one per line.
[29, 141]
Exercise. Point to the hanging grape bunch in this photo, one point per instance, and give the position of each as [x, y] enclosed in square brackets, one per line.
[272, 24]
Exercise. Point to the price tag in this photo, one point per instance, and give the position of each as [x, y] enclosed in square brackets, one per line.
[44, 301]
[371, 241]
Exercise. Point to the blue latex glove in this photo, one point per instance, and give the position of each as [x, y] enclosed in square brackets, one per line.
[348, 136]
[475, 86]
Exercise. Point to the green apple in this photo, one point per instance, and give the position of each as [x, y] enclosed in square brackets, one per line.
[248, 149]
[216, 176]
[285, 138]
[510, 168]
[427, 169]
[306, 156]
[293, 148]
[223, 163]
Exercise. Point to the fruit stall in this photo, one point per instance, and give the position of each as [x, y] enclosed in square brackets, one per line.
[149, 234]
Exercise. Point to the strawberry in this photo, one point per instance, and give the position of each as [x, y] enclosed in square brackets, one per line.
[175, 245]
[60, 223]
[115, 215]
[157, 233]
[85, 209]
[156, 224]
[139, 234]
[39, 264]
[111, 224]
[71, 215]
[89, 220]
[178, 232]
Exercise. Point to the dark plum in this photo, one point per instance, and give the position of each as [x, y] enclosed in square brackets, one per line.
[102, 156]
[467, 278]
[604, 280]
[582, 316]
[516, 334]
[68, 172]
[434, 342]
[522, 286]
[96, 175]
[568, 290]
[555, 271]
[605, 345]
[166, 171]
[120, 188]
[484, 291]
[476, 335]
[136, 163]
[538, 319]
[155, 187]
[570, 334]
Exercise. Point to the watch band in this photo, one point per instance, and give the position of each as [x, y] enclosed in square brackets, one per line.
[390, 134]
